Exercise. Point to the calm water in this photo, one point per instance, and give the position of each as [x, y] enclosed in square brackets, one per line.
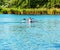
[44, 34]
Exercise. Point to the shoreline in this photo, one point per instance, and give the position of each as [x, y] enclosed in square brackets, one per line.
[40, 11]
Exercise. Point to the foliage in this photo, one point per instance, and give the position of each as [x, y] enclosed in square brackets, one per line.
[24, 6]
[30, 3]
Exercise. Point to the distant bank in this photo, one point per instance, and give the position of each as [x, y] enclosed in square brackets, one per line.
[50, 11]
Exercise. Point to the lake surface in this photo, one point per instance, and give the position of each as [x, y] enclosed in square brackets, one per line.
[44, 34]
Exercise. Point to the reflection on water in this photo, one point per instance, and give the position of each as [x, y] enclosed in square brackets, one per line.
[41, 35]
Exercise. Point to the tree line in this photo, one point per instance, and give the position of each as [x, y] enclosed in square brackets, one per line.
[30, 3]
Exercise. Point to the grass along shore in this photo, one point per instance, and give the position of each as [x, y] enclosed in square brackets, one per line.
[50, 11]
